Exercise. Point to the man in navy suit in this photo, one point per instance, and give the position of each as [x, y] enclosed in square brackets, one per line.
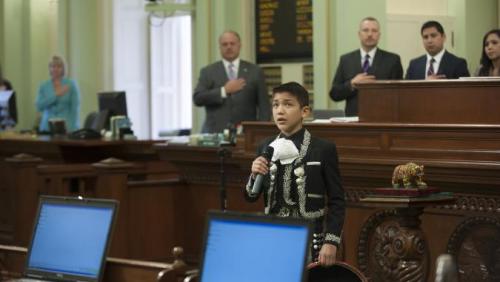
[437, 63]
[364, 65]
[231, 90]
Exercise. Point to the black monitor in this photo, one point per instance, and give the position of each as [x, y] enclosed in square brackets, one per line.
[8, 109]
[112, 104]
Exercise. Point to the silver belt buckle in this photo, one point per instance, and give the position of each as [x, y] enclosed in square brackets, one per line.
[284, 212]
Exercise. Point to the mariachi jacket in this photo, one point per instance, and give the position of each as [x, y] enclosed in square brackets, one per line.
[318, 195]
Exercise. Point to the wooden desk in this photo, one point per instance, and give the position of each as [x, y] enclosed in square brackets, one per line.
[77, 151]
[439, 101]
[66, 167]
[199, 190]
[405, 258]
[12, 262]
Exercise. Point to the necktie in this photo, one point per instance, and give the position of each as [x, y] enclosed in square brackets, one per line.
[231, 72]
[430, 71]
[366, 63]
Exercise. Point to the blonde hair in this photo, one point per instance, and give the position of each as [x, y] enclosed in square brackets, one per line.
[58, 60]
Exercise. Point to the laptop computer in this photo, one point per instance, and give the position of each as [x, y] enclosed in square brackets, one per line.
[250, 247]
[70, 239]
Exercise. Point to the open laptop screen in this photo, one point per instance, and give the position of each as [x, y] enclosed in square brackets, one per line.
[70, 238]
[254, 248]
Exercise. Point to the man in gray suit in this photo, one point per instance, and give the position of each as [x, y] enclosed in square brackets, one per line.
[364, 65]
[231, 90]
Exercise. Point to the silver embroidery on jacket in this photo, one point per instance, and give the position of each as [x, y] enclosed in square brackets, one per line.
[332, 238]
[272, 171]
[315, 196]
[287, 180]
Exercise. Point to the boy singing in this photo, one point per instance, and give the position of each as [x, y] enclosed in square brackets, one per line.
[304, 179]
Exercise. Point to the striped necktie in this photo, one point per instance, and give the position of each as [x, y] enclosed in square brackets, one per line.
[430, 71]
[366, 63]
[231, 72]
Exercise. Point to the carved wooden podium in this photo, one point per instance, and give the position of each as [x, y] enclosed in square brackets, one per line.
[399, 252]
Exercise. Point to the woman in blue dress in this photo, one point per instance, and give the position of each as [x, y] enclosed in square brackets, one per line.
[58, 97]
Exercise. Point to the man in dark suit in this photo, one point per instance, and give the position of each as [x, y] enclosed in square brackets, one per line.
[364, 65]
[231, 90]
[437, 63]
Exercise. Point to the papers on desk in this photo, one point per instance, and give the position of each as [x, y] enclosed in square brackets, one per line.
[479, 78]
[336, 119]
[177, 140]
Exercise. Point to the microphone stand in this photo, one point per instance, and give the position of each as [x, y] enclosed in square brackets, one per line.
[222, 153]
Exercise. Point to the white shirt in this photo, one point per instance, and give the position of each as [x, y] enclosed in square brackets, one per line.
[371, 54]
[236, 64]
[437, 59]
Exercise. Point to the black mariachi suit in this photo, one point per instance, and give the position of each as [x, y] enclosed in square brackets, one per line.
[320, 199]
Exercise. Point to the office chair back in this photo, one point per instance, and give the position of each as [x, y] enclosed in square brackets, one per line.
[90, 120]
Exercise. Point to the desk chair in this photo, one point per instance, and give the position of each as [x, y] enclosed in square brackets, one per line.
[97, 120]
[339, 272]
[90, 120]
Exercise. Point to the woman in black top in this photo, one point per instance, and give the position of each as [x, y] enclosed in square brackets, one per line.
[490, 58]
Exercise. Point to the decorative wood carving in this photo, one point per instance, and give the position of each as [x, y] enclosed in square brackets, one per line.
[476, 203]
[397, 246]
[475, 244]
[354, 194]
[366, 234]
[464, 202]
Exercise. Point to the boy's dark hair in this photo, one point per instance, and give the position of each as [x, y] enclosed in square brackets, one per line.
[296, 90]
[430, 24]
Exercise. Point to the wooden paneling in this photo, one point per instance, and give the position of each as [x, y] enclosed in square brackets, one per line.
[67, 169]
[440, 101]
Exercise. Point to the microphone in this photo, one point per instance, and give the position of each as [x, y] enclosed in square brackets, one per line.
[268, 154]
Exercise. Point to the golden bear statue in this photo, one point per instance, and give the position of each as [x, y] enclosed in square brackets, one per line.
[409, 175]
